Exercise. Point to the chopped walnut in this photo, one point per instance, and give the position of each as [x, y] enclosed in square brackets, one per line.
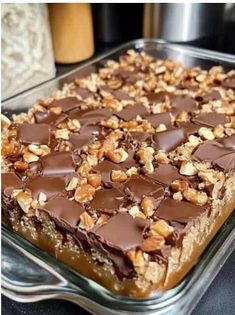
[206, 133]
[161, 157]
[146, 158]
[135, 212]
[136, 257]
[132, 171]
[84, 193]
[179, 185]
[117, 155]
[152, 243]
[72, 185]
[177, 196]
[188, 169]
[210, 176]
[94, 180]
[30, 157]
[118, 176]
[219, 131]
[147, 206]
[196, 197]
[162, 228]
[24, 200]
[21, 166]
[86, 221]
[62, 134]
[56, 110]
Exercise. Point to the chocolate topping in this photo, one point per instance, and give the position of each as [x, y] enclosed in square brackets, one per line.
[130, 112]
[157, 119]
[66, 104]
[122, 232]
[182, 103]
[226, 162]
[229, 82]
[50, 186]
[210, 119]
[121, 95]
[211, 96]
[10, 181]
[165, 174]
[169, 140]
[83, 92]
[33, 133]
[157, 97]
[189, 127]
[128, 76]
[78, 141]
[107, 200]
[57, 164]
[179, 211]
[64, 210]
[112, 235]
[90, 116]
[86, 135]
[105, 169]
[139, 136]
[228, 142]
[48, 117]
[215, 152]
[137, 187]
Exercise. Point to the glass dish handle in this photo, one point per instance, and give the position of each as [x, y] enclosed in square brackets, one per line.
[27, 279]
[25, 274]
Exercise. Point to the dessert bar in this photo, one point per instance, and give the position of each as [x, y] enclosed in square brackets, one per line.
[125, 174]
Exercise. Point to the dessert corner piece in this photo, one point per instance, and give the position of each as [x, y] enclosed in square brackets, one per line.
[126, 174]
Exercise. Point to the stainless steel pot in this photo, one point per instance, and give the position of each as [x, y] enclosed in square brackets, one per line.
[184, 22]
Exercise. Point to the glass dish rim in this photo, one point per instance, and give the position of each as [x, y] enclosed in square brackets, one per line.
[137, 44]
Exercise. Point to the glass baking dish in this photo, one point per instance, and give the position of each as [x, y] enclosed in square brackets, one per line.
[29, 274]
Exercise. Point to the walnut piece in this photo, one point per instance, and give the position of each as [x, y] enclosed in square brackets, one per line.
[147, 206]
[72, 184]
[30, 157]
[196, 197]
[136, 257]
[86, 221]
[118, 176]
[117, 156]
[188, 169]
[21, 166]
[179, 185]
[94, 180]
[24, 200]
[84, 193]
[206, 133]
[162, 228]
[152, 243]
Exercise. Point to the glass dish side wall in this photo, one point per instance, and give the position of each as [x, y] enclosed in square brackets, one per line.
[186, 294]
